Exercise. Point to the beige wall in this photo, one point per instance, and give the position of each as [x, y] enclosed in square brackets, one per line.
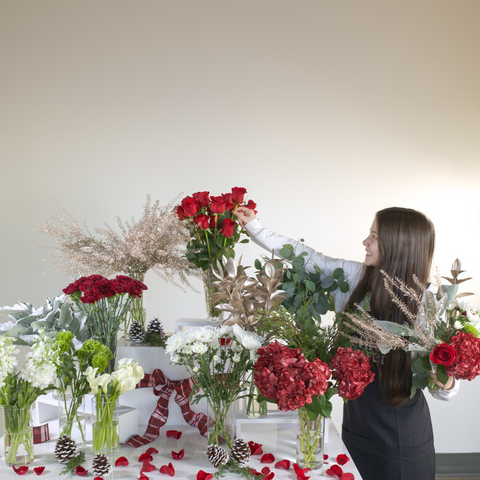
[326, 111]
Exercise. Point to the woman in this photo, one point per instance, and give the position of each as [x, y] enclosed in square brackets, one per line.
[388, 434]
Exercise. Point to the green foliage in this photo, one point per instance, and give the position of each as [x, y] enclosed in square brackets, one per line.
[309, 294]
[71, 465]
[156, 339]
[236, 469]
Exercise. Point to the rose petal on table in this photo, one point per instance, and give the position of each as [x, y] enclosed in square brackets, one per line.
[334, 470]
[20, 470]
[121, 462]
[342, 459]
[267, 458]
[301, 472]
[265, 471]
[285, 464]
[148, 467]
[347, 476]
[151, 450]
[255, 448]
[39, 470]
[325, 457]
[174, 433]
[167, 469]
[80, 470]
[178, 455]
[201, 475]
[269, 476]
[144, 457]
[143, 476]
[98, 478]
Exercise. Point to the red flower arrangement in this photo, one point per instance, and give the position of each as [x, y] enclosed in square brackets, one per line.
[443, 354]
[466, 364]
[352, 370]
[284, 375]
[214, 229]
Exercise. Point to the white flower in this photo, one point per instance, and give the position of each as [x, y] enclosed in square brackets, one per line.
[463, 303]
[195, 369]
[223, 331]
[199, 347]
[458, 325]
[250, 340]
[215, 358]
[127, 385]
[205, 334]
[236, 358]
[174, 358]
[175, 343]
[472, 316]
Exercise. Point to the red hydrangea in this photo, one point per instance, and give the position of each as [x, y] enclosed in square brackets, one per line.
[286, 376]
[466, 365]
[352, 370]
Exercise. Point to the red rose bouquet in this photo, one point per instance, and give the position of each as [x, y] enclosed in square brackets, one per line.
[106, 303]
[442, 335]
[214, 229]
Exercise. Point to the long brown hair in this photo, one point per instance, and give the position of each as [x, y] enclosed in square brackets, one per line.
[406, 241]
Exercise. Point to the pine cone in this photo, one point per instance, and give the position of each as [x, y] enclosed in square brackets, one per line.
[216, 455]
[240, 451]
[136, 332]
[155, 326]
[65, 449]
[100, 466]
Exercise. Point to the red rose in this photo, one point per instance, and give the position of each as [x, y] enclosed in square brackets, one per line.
[228, 202]
[218, 205]
[238, 194]
[213, 222]
[202, 221]
[203, 198]
[190, 206]
[180, 213]
[251, 205]
[228, 227]
[443, 354]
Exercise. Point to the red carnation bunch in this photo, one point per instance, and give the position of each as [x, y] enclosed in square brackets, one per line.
[286, 376]
[95, 287]
[466, 365]
[352, 370]
[215, 230]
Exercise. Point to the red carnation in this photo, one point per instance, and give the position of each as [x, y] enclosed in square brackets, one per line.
[91, 296]
[105, 288]
[190, 206]
[353, 372]
[238, 194]
[228, 227]
[466, 365]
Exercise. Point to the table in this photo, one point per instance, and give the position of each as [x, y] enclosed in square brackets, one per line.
[278, 439]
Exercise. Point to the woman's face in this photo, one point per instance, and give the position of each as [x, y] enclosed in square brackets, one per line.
[372, 254]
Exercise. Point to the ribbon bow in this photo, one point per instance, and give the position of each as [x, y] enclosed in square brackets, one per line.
[164, 388]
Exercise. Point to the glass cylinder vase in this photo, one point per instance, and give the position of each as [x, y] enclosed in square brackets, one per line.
[251, 407]
[18, 436]
[220, 424]
[71, 417]
[310, 440]
[213, 315]
[136, 312]
[105, 426]
[111, 342]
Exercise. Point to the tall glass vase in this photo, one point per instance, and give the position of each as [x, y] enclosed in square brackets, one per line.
[213, 315]
[136, 312]
[252, 408]
[111, 342]
[18, 436]
[220, 424]
[105, 426]
[71, 417]
[310, 440]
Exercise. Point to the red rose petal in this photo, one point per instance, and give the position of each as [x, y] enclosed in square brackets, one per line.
[265, 471]
[267, 458]
[174, 433]
[151, 450]
[325, 457]
[347, 476]
[269, 476]
[98, 478]
[285, 464]
[255, 448]
[20, 470]
[148, 467]
[201, 475]
[145, 458]
[143, 477]
[300, 472]
[342, 459]
[167, 469]
[334, 470]
[178, 455]
[80, 471]
[121, 462]
[39, 470]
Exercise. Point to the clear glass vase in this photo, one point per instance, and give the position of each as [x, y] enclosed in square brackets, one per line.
[213, 315]
[251, 407]
[220, 424]
[310, 440]
[18, 436]
[136, 312]
[105, 426]
[71, 417]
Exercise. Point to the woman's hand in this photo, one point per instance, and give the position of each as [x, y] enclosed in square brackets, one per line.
[244, 215]
[448, 386]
